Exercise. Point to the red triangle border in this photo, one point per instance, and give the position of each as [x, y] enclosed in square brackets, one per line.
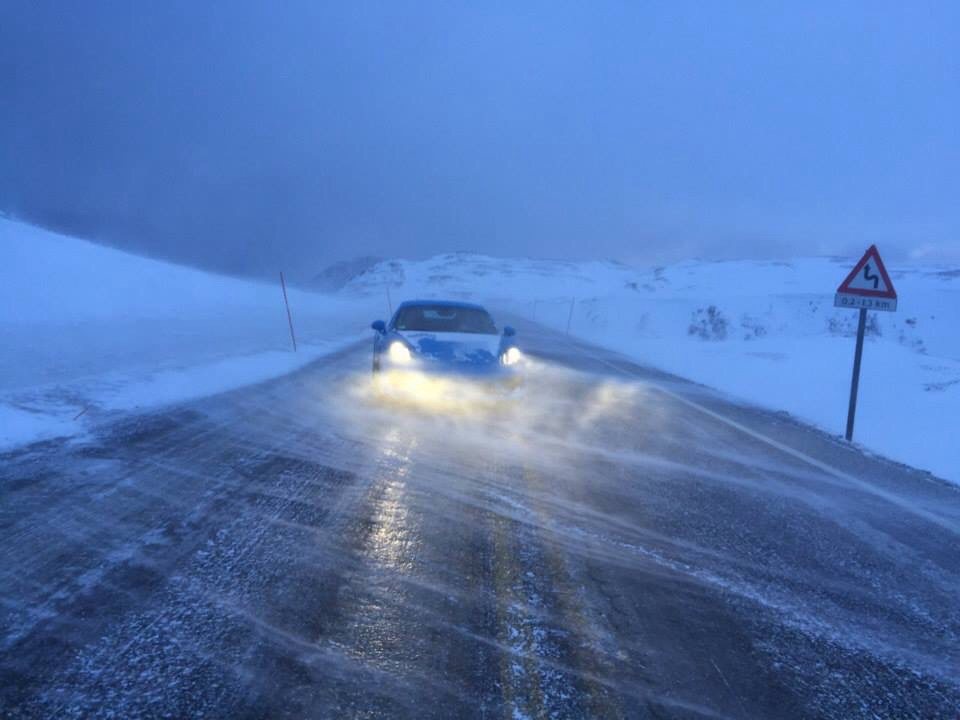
[871, 252]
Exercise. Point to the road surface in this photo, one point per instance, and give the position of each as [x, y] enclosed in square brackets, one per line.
[616, 542]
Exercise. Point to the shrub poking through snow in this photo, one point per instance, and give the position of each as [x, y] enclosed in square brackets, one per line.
[708, 324]
[907, 335]
[753, 327]
[845, 325]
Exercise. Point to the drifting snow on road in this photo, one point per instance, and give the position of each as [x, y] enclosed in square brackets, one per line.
[610, 542]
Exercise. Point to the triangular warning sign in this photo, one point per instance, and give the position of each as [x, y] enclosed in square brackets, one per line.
[868, 278]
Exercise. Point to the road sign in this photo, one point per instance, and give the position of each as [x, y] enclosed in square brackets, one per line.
[868, 285]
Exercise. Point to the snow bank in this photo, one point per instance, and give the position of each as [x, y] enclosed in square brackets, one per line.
[766, 332]
[84, 328]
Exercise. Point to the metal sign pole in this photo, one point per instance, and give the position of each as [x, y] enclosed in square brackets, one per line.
[855, 382]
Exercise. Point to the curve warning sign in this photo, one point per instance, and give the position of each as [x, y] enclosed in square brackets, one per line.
[868, 285]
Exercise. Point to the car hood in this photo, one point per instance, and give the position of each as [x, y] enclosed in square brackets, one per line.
[456, 348]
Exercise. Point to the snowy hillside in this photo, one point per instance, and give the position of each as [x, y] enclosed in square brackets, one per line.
[495, 280]
[335, 276]
[84, 328]
[764, 331]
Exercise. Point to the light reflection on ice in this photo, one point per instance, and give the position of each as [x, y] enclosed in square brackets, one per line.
[551, 404]
[390, 540]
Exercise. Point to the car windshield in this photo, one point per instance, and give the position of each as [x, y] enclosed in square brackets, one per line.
[445, 318]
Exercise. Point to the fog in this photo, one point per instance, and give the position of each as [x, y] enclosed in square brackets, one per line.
[247, 137]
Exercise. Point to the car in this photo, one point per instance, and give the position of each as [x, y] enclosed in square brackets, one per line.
[446, 338]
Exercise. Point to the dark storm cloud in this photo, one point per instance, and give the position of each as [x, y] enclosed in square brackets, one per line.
[245, 136]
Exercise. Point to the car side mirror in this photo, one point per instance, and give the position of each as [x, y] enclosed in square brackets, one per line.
[508, 331]
[379, 325]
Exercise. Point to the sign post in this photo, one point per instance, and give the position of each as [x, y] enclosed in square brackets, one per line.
[867, 287]
[855, 382]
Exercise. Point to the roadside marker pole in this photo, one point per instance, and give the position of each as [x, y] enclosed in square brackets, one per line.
[573, 301]
[283, 286]
[855, 382]
[389, 301]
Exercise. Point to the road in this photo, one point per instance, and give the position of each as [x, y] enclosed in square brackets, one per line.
[615, 542]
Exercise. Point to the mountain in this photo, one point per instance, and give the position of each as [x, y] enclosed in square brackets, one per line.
[336, 276]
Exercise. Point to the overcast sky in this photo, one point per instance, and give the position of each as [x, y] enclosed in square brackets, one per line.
[249, 136]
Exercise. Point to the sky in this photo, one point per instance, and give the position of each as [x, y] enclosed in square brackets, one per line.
[249, 136]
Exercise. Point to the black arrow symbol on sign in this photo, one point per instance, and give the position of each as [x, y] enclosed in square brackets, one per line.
[868, 277]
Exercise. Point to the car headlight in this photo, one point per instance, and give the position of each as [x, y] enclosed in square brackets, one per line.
[511, 356]
[399, 353]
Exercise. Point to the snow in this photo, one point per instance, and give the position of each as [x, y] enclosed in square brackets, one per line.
[765, 332]
[87, 330]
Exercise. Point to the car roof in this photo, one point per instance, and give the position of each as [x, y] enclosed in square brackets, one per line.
[441, 303]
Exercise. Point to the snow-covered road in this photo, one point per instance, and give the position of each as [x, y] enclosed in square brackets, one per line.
[617, 543]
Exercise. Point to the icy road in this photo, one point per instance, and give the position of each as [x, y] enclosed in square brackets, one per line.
[617, 543]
